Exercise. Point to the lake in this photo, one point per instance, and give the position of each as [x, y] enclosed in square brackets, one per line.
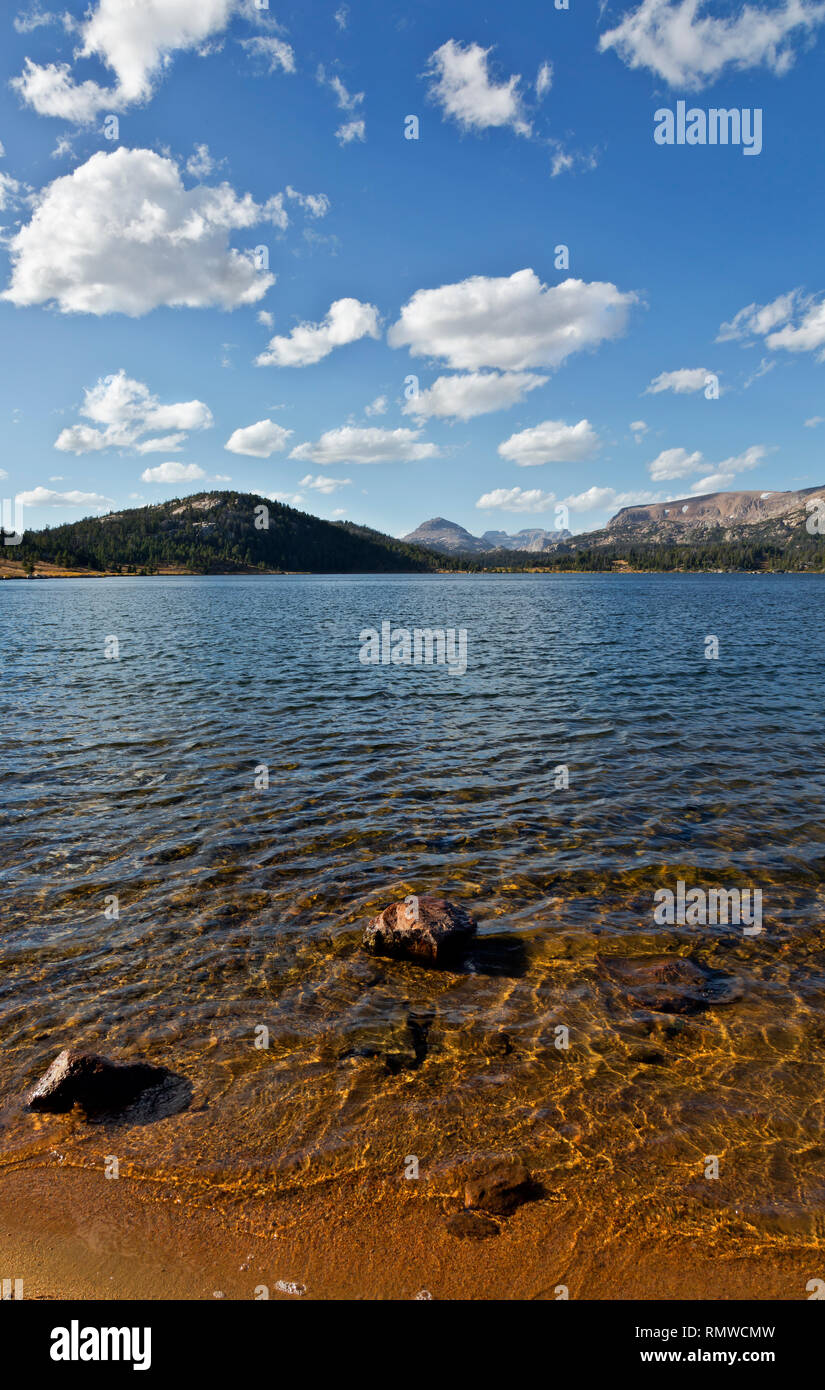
[198, 824]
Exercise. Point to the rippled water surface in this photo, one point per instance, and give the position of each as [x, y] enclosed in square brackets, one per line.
[241, 908]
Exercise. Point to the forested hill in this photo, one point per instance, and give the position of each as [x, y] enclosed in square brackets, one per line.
[216, 532]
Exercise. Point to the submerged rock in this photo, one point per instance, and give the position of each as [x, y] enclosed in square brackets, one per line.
[93, 1082]
[499, 1187]
[672, 984]
[430, 931]
[471, 1225]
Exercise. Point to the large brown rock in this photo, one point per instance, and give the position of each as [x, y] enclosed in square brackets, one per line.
[438, 933]
[93, 1082]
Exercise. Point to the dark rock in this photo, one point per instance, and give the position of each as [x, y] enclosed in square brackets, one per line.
[499, 1188]
[672, 984]
[440, 933]
[93, 1082]
[471, 1225]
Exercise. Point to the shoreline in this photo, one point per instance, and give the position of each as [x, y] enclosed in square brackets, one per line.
[358, 1238]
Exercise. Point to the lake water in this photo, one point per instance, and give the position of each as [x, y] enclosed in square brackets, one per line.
[241, 906]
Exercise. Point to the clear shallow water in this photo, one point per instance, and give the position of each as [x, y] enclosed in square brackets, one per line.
[242, 907]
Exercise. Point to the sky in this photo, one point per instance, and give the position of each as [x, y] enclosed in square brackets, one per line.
[389, 262]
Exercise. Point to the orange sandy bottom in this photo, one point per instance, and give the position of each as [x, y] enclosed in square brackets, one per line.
[72, 1234]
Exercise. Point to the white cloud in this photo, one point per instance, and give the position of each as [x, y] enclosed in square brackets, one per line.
[463, 88]
[11, 192]
[172, 472]
[200, 164]
[602, 499]
[727, 470]
[510, 322]
[321, 483]
[794, 321]
[355, 128]
[127, 411]
[315, 204]
[516, 499]
[348, 444]
[639, 429]
[121, 234]
[341, 16]
[377, 407]
[46, 497]
[164, 444]
[276, 52]
[475, 393]
[35, 18]
[351, 130]
[544, 80]
[678, 463]
[551, 442]
[757, 320]
[815, 420]
[678, 41]
[674, 463]
[135, 41]
[807, 335]
[683, 381]
[346, 321]
[266, 318]
[560, 163]
[260, 440]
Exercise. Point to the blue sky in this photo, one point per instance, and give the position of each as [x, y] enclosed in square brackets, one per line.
[143, 332]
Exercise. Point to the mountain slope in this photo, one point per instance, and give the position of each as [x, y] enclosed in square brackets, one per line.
[216, 532]
[720, 515]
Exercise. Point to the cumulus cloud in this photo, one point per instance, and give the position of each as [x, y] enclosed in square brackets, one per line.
[121, 234]
[46, 497]
[793, 321]
[551, 442]
[602, 499]
[377, 407]
[348, 444]
[679, 42]
[123, 411]
[135, 41]
[462, 86]
[639, 429]
[678, 463]
[516, 499]
[510, 322]
[674, 463]
[320, 483]
[172, 472]
[474, 393]
[259, 441]
[758, 320]
[683, 381]
[346, 321]
[276, 53]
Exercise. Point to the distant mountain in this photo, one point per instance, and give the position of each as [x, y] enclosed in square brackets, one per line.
[452, 539]
[718, 516]
[530, 539]
[216, 532]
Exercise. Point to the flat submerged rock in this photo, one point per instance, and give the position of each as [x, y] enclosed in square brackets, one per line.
[671, 984]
